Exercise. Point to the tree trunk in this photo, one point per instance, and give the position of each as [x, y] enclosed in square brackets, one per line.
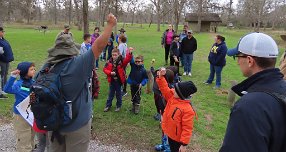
[70, 11]
[151, 20]
[116, 14]
[85, 16]
[55, 12]
[176, 14]
[79, 27]
[200, 15]
[98, 23]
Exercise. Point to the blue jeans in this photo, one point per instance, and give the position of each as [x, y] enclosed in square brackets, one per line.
[188, 59]
[96, 63]
[114, 88]
[215, 70]
[182, 59]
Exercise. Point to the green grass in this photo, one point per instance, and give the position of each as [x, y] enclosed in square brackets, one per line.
[142, 131]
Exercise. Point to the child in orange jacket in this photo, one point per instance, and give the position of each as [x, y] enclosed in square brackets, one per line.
[178, 115]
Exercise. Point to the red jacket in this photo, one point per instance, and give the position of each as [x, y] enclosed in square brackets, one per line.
[120, 68]
[178, 115]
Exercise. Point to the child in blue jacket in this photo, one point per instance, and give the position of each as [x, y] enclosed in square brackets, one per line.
[137, 78]
[21, 89]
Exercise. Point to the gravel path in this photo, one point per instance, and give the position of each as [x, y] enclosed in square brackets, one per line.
[7, 142]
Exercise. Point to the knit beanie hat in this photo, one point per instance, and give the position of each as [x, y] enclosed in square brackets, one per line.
[185, 89]
[24, 68]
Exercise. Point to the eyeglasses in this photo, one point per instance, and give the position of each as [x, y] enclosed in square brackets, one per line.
[242, 56]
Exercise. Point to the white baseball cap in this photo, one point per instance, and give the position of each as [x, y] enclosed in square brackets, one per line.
[256, 44]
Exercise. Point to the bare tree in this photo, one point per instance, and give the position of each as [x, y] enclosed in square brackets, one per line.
[85, 16]
[178, 7]
[78, 15]
[158, 6]
[200, 12]
[70, 11]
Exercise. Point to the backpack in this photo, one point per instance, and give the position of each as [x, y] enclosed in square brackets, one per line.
[50, 108]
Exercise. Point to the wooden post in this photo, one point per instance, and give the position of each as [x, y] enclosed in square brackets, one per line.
[150, 82]
[231, 94]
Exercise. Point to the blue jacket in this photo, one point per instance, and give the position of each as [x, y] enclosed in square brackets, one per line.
[7, 56]
[138, 74]
[19, 89]
[257, 121]
[217, 54]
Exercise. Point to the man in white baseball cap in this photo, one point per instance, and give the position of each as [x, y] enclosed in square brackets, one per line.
[257, 121]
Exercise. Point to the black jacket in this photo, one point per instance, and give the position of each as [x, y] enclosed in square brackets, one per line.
[257, 121]
[189, 46]
[175, 49]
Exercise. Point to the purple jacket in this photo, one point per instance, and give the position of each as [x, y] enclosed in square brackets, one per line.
[94, 36]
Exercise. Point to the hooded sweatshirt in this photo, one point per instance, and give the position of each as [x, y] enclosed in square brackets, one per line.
[217, 54]
[20, 88]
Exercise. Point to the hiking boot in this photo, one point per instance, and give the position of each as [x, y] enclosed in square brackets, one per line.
[106, 109]
[117, 109]
[136, 109]
[124, 93]
[3, 97]
[207, 83]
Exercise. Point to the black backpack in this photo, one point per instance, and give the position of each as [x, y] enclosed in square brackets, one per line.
[50, 108]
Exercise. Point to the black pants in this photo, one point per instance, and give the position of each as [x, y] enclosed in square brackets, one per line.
[174, 145]
[135, 94]
[172, 63]
[159, 103]
[4, 72]
[167, 51]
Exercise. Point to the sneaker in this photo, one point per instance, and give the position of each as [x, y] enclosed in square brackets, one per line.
[185, 73]
[190, 74]
[3, 97]
[106, 109]
[159, 147]
[117, 109]
[207, 83]
[157, 117]
[4, 92]
[96, 68]
[124, 93]
[216, 87]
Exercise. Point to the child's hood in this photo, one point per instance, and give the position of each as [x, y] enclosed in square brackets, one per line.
[23, 67]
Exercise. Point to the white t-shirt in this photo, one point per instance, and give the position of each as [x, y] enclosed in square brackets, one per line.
[122, 47]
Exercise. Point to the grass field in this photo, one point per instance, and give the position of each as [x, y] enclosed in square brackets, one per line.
[142, 131]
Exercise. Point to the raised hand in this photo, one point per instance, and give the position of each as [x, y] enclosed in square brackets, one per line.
[15, 72]
[111, 20]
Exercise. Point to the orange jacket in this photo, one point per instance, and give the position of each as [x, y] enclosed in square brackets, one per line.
[178, 115]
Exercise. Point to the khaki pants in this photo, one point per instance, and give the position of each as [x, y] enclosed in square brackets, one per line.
[24, 134]
[76, 141]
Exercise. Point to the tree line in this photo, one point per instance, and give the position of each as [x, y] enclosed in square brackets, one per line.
[247, 13]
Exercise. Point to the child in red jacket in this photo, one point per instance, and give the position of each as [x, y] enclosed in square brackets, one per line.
[114, 69]
[178, 115]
